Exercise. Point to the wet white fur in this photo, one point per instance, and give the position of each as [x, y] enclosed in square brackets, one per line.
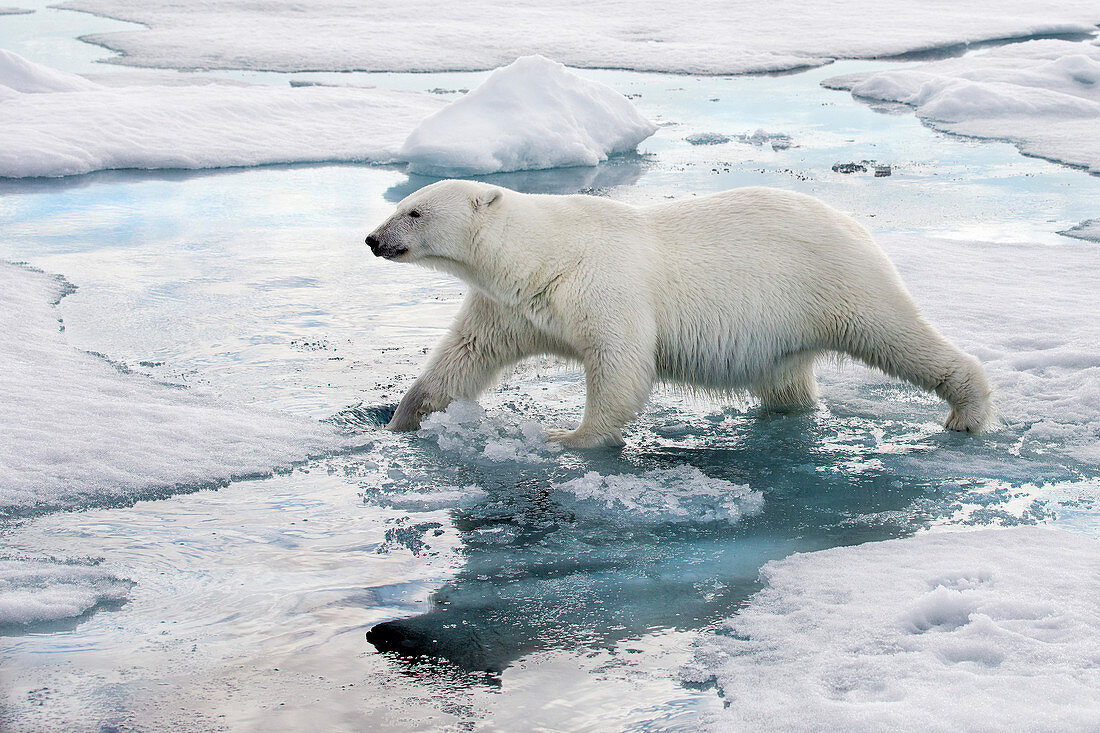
[740, 290]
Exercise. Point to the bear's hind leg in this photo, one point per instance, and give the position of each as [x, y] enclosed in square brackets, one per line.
[791, 387]
[917, 353]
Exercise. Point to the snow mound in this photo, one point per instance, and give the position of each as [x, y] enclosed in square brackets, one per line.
[77, 431]
[1044, 96]
[20, 75]
[681, 494]
[529, 115]
[702, 37]
[37, 591]
[989, 630]
[464, 428]
[58, 124]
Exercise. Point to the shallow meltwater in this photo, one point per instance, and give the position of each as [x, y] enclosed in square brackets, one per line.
[470, 575]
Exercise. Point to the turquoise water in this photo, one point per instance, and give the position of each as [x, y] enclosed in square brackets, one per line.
[515, 602]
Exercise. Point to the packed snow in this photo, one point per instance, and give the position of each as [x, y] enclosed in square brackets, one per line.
[681, 494]
[707, 37]
[1044, 96]
[15, 11]
[38, 591]
[59, 124]
[531, 114]
[78, 431]
[987, 630]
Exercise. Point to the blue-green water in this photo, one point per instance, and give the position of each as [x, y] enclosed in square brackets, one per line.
[504, 601]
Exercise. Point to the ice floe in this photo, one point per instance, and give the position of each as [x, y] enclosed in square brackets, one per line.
[709, 36]
[532, 114]
[39, 591]
[676, 495]
[59, 124]
[465, 429]
[987, 630]
[78, 431]
[1089, 230]
[1044, 96]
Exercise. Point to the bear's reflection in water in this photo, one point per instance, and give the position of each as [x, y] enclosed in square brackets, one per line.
[545, 570]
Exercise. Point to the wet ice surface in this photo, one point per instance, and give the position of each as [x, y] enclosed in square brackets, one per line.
[550, 587]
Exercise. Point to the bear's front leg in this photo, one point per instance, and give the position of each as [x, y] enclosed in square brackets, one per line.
[618, 379]
[482, 340]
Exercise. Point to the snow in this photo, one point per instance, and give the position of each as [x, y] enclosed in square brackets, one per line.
[709, 36]
[7, 10]
[676, 495]
[1044, 96]
[58, 124]
[987, 630]
[37, 591]
[79, 431]
[17, 74]
[531, 114]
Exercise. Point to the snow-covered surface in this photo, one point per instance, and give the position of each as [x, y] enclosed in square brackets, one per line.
[79, 431]
[59, 124]
[38, 591]
[15, 11]
[1044, 96]
[710, 36]
[989, 630]
[681, 494]
[531, 114]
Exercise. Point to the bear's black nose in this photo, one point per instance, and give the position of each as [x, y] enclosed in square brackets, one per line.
[372, 242]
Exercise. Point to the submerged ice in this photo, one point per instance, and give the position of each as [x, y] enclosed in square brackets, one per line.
[79, 431]
[40, 591]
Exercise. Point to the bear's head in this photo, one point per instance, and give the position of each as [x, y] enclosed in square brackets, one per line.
[437, 225]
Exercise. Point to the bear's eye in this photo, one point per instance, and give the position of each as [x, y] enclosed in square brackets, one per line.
[414, 214]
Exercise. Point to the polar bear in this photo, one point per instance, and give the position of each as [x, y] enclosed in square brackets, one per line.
[739, 291]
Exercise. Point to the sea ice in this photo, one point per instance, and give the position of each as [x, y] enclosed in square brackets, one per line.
[1044, 96]
[708, 36]
[37, 591]
[79, 431]
[464, 428]
[987, 630]
[531, 114]
[681, 494]
[59, 124]
[1089, 230]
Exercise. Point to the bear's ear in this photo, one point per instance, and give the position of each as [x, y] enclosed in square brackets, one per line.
[487, 198]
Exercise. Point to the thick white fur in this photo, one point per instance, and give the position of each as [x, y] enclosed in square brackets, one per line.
[740, 290]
